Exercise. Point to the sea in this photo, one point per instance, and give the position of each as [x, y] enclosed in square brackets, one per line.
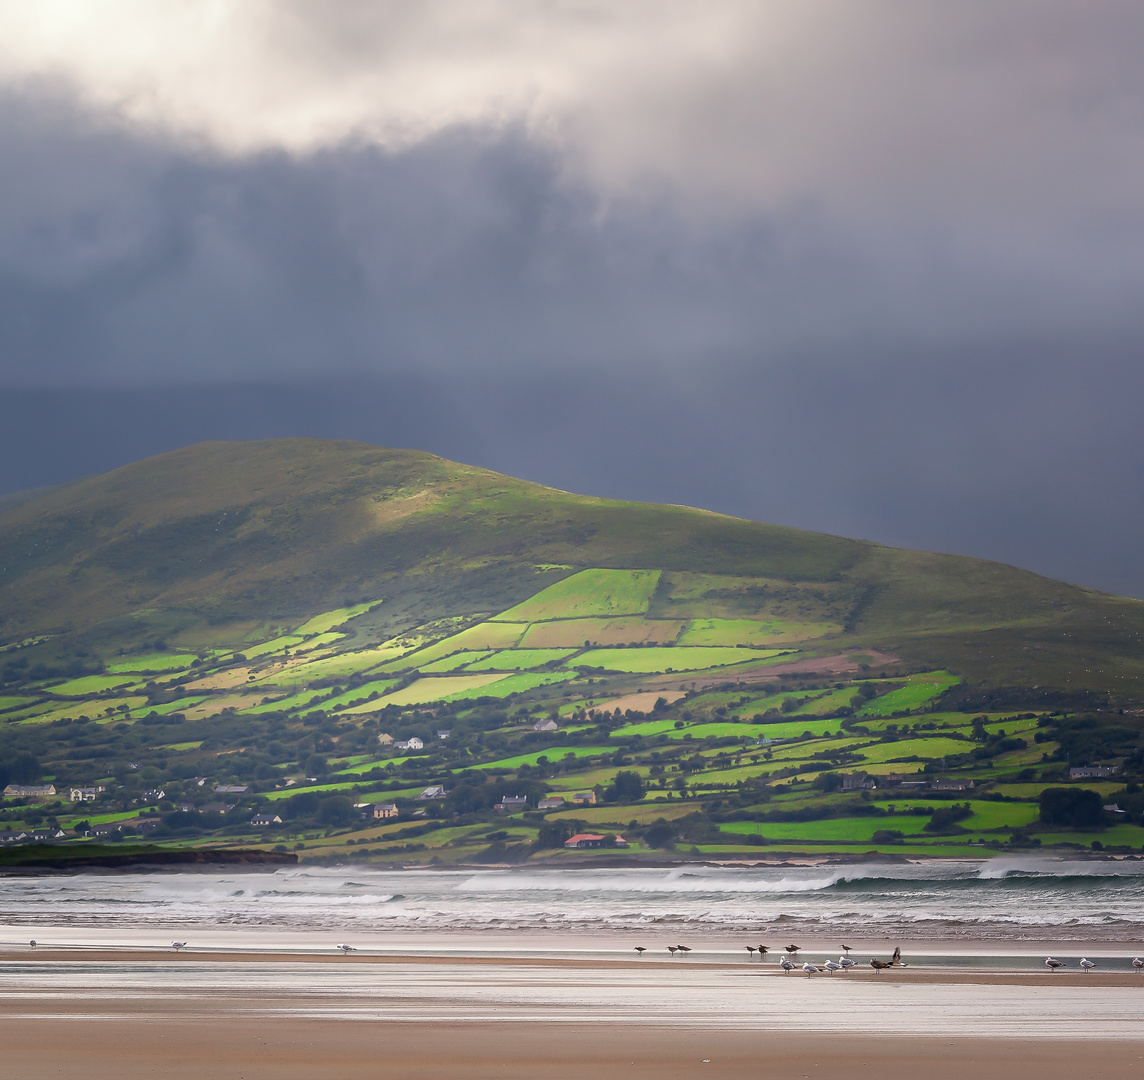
[994, 903]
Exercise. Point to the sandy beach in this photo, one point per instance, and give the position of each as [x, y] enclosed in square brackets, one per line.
[119, 1013]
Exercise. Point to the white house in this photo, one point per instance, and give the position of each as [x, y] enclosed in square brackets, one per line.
[413, 743]
[436, 791]
[547, 724]
[265, 819]
[85, 794]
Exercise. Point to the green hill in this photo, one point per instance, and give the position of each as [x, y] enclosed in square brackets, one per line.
[256, 611]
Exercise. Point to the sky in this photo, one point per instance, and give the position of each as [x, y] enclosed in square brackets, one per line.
[868, 267]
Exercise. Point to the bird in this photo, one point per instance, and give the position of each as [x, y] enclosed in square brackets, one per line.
[786, 965]
[810, 969]
[347, 949]
[762, 951]
[1086, 964]
[683, 948]
[750, 949]
[846, 962]
[1137, 963]
[880, 965]
[845, 948]
[672, 949]
[897, 957]
[640, 949]
[792, 949]
[1052, 963]
[177, 945]
[32, 943]
[832, 967]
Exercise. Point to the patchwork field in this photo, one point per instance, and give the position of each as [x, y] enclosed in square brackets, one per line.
[756, 688]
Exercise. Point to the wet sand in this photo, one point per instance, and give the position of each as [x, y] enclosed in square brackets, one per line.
[123, 1014]
[127, 1047]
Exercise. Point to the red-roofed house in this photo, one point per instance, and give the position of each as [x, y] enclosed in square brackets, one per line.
[584, 840]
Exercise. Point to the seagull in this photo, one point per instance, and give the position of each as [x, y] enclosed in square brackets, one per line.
[792, 949]
[1086, 963]
[1052, 963]
[880, 965]
[177, 945]
[347, 949]
[33, 943]
[1137, 963]
[640, 949]
[897, 957]
[846, 962]
[786, 965]
[810, 969]
[832, 967]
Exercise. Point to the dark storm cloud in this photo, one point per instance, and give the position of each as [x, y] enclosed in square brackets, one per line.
[868, 268]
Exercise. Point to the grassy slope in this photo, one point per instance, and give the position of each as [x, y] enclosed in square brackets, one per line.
[235, 536]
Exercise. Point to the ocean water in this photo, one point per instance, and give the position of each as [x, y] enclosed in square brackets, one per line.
[1002, 901]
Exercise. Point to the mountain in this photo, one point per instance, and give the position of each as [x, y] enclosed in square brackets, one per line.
[212, 543]
[255, 643]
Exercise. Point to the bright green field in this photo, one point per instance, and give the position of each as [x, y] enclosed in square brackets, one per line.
[334, 667]
[91, 684]
[919, 690]
[513, 684]
[14, 702]
[669, 658]
[363, 691]
[320, 624]
[854, 829]
[294, 701]
[452, 663]
[519, 659]
[438, 689]
[153, 662]
[553, 754]
[483, 637]
[590, 593]
[274, 645]
[924, 748]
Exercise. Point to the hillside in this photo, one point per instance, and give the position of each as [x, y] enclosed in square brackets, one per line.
[261, 611]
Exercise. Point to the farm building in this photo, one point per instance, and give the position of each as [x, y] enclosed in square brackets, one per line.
[546, 724]
[584, 798]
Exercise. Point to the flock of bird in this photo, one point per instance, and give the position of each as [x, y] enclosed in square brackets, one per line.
[843, 963]
[1086, 965]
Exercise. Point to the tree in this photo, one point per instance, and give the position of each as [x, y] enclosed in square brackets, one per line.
[1075, 808]
[626, 786]
[660, 835]
[336, 810]
[80, 827]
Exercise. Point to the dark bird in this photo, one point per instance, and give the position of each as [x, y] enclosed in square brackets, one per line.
[762, 951]
[897, 957]
[672, 949]
[32, 943]
[640, 949]
[880, 965]
[1052, 963]
[845, 948]
[792, 949]
[750, 949]
[683, 948]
